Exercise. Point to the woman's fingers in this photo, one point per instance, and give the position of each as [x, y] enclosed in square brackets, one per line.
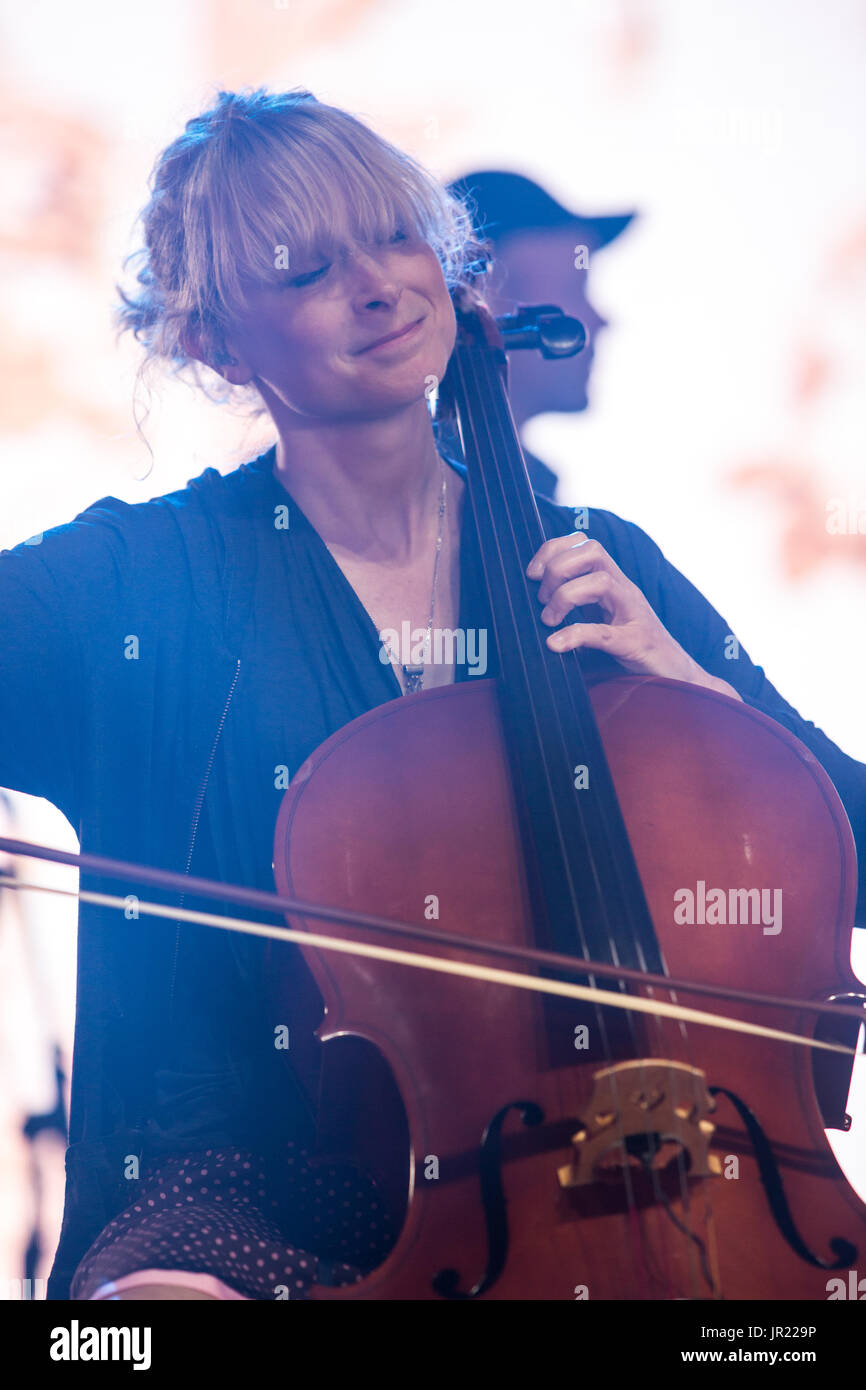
[596, 587]
[563, 558]
[620, 642]
[575, 572]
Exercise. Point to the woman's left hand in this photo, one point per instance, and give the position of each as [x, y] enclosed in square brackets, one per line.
[574, 572]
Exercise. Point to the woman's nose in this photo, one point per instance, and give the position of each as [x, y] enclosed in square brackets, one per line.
[372, 277]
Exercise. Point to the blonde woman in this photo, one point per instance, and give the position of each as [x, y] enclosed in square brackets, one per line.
[167, 666]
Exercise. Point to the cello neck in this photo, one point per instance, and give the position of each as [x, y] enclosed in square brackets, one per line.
[582, 876]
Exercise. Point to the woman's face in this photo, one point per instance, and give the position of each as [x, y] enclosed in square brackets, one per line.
[314, 343]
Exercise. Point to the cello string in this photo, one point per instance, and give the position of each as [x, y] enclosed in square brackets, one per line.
[507, 433]
[485, 482]
[499, 412]
[536, 719]
[675, 1078]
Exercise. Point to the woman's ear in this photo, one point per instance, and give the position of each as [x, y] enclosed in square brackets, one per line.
[231, 370]
[219, 360]
[191, 344]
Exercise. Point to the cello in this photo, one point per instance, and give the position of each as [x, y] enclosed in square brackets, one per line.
[535, 1147]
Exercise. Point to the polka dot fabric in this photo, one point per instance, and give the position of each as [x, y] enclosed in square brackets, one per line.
[214, 1212]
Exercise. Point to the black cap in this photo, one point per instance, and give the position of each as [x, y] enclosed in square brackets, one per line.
[503, 202]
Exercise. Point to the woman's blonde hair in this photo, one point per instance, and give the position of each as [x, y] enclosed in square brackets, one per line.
[259, 181]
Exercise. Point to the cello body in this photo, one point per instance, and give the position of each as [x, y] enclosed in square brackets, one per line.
[522, 1157]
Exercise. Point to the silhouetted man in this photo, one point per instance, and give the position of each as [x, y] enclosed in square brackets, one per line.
[542, 255]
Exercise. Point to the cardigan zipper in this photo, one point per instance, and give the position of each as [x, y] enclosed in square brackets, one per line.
[195, 823]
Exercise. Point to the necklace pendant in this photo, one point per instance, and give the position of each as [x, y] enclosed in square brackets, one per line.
[414, 678]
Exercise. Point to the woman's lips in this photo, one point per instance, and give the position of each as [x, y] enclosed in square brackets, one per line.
[393, 338]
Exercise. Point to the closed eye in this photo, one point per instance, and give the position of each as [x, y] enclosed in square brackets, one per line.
[310, 277]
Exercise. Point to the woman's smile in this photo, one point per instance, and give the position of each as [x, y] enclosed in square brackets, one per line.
[395, 339]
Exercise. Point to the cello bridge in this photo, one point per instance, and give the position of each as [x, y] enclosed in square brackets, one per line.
[639, 1113]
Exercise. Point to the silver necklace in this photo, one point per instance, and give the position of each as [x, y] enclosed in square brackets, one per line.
[414, 675]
